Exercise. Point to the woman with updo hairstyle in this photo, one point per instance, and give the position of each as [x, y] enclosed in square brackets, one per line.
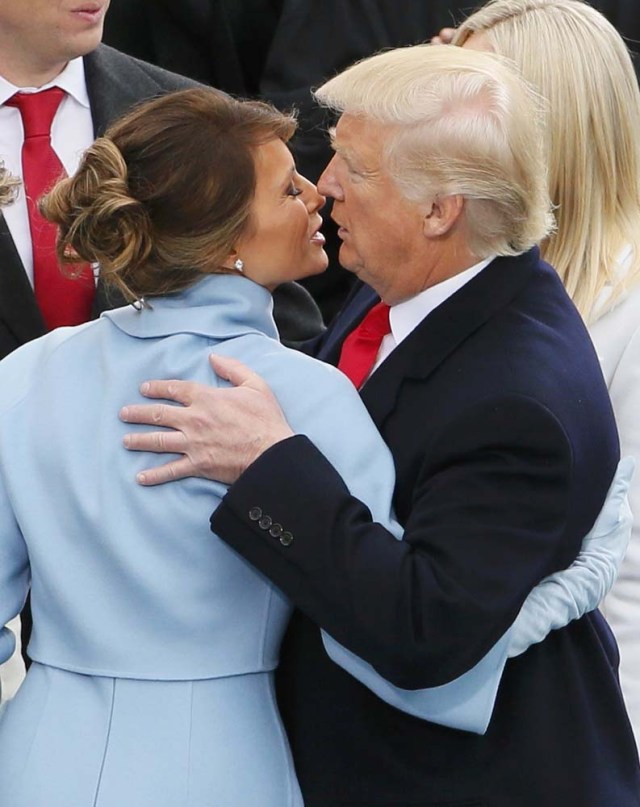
[580, 64]
[154, 644]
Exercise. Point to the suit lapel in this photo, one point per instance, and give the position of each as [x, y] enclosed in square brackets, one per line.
[359, 301]
[445, 328]
[18, 308]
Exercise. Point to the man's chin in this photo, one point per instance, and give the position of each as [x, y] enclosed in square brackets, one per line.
[347, 259]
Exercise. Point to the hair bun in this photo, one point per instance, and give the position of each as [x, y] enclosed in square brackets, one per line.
[98, 219]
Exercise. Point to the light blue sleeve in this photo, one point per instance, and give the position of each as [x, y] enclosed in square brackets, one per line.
[14, 573]
[465, 703]
[573, 592]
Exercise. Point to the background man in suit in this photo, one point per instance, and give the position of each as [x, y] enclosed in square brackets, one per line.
[45, 44]
[487, 390]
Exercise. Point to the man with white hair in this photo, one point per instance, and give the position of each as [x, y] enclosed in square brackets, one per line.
[481, 377]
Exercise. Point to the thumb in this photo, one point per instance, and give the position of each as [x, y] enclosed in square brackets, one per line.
[235, 371]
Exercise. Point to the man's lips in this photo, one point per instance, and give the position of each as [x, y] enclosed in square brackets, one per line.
[90, 12]
[342, 230]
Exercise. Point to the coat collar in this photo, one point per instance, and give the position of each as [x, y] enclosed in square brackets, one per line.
[218, 306]
[447, 327]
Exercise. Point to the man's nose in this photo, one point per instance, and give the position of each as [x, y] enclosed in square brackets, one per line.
[328, 184]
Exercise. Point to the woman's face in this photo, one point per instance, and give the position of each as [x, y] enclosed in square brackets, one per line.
[283, 240]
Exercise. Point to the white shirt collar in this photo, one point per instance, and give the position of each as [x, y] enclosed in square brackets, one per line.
[406, 316]
[71, 80]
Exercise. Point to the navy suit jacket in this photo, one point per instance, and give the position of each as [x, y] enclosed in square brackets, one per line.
[504, 441]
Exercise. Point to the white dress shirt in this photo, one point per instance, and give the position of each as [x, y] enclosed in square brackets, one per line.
[71, 134]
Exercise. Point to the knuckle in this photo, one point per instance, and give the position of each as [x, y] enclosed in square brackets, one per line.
[159, 441]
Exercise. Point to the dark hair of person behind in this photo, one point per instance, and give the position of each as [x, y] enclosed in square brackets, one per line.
[164, 196]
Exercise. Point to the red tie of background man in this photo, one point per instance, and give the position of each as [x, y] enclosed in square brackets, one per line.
[62, 300]
[360, 348]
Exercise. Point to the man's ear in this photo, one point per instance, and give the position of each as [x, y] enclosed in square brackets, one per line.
[442, 215]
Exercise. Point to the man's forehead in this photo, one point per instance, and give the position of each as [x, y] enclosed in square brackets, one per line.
[359, 137]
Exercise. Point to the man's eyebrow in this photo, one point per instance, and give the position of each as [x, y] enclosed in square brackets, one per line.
[346, 155]
[331, 131]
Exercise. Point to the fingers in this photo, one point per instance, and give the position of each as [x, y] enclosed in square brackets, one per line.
[179, 391]
[153, 414]
[156, 442]
[236, 372]
[444, 36]
[169, 472]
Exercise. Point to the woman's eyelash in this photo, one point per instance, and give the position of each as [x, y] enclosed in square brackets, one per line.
[293, 191]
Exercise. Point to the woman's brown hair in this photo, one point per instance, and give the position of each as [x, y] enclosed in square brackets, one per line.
[163, 197]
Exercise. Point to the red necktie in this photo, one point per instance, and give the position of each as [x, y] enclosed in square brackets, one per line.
[62, 300]
[360, 348]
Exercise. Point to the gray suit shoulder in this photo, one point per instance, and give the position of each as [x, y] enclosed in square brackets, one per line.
[117, 82]
[115, 63]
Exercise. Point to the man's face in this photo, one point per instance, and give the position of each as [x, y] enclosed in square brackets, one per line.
[48, 33]
[381, 231]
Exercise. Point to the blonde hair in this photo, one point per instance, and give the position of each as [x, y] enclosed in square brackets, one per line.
[163, 197]
[9, 185]
[580, 64]
[460, 122]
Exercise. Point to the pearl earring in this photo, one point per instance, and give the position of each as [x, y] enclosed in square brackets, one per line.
[239, 265]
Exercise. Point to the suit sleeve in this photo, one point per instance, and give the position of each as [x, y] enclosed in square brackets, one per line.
[486, 524]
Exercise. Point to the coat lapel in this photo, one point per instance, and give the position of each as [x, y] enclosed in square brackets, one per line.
[18, 308]
[445, 328]
[360, 300]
